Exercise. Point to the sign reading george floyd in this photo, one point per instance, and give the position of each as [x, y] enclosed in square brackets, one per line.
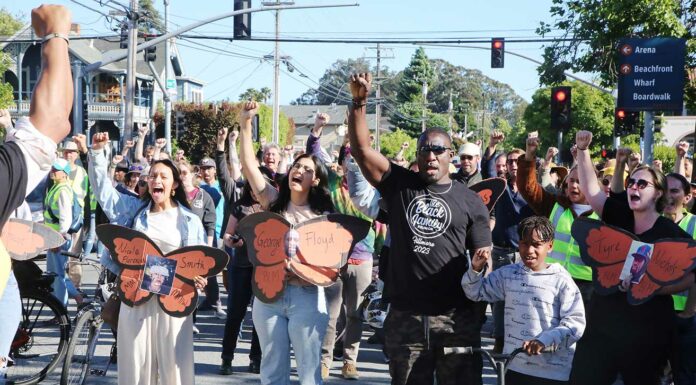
[651, 73]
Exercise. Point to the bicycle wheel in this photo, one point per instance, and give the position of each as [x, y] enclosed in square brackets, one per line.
[81, 348]
[41, 339]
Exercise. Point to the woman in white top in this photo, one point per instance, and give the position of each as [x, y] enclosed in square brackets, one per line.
[153, 347]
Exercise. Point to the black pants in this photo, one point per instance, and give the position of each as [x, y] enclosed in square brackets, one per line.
[414, 345]
[517, 378]
[238, 298]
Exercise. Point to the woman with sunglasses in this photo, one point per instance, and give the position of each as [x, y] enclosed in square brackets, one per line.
[299, 318]
[153, 347]
[633, 340]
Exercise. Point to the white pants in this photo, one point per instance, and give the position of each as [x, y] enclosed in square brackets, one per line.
[154, 347]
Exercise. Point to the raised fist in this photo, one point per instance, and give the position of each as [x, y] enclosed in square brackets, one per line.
[81, 141]
[160, 143]
[574, 151]
[143, 130]
[583, 139]
[404, 145]
[360, 85]
[321, 120]
[99, 140]
[179, 155]
[249, 110]
[657, 164]
[233, 136]
[263, 141]
[50, 19]
[496, 138]
[532, 145]
[682, 148]
[221, 135]
[116, 159]
[622, 155]
[130, 144]
[551, 153]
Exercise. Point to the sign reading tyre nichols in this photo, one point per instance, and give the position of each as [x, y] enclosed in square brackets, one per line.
[651, 74]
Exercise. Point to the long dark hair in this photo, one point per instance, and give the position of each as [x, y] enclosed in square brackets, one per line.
[179, 193]
[659, 182]
[319, 198]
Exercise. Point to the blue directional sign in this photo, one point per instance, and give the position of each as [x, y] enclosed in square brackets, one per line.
[651, 74]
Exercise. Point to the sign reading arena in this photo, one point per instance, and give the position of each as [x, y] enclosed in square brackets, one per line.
[651, 73]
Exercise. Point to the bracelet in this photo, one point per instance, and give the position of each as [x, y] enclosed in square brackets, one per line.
[357, 103]
[54, 35]
[582, 149]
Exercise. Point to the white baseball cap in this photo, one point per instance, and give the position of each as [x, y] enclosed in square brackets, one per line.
[469, 149]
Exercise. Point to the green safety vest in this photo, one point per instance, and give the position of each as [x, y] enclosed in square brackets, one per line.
[688, 224]
[52, 202]
[79, 184]
[565, 250]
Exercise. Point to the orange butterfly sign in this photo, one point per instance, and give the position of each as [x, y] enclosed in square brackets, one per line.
[489, 190]
[25, 240]
[313, 250]
[622, 262]
[146, 271]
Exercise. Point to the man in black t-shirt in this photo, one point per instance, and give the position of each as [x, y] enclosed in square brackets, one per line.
[433, 222]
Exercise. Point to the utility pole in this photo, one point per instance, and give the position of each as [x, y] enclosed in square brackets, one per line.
[378, 92]
[167, 99]
[130, 69]
[424, 114]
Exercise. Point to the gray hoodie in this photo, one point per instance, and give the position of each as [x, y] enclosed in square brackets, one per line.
[544, 306]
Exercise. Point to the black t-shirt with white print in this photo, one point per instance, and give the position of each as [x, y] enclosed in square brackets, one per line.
[431, 228]
[13, 178]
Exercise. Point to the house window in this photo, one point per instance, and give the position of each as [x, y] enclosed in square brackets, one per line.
[196, 96]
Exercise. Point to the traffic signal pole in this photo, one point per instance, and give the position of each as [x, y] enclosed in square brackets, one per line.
[648, 137]
[134, 48]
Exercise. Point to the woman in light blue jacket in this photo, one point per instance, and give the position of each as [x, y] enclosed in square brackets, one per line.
[153, 347]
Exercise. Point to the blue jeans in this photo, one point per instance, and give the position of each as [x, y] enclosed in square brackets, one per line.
[299, 318]
[10, 317]
[62, 285]
[91, 236]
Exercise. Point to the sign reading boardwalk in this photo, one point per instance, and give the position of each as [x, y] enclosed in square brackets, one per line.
[651, 73]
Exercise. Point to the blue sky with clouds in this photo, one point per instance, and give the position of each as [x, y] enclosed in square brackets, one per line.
[226, 75]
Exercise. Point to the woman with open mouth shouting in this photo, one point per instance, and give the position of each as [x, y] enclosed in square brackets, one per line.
[153, 347]
[634, 340]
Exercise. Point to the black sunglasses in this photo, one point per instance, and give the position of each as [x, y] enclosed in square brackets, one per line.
[511, 161]
[606, 182]
[466, 157]
[437, 150]
[639, 183]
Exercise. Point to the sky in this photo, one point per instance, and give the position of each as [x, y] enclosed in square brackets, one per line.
[226, 75]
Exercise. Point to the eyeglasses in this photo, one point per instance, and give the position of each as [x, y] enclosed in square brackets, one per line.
[606, 182]
[511, 161]
[303, 168]
[639, 183]
[437, 150]
[466, 157]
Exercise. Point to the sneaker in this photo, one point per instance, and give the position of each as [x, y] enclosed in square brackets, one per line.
[254, 367]
[219, 313]
[226, 368]
[350, 372]
[324, 372]
[195, 330]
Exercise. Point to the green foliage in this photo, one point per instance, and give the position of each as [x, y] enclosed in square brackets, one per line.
[592, 110]
[409, 94]
[260, 96]
[667, 155]
[9, 25]
[266, 125]
[596, 27]
[390, 144]
[150, 17]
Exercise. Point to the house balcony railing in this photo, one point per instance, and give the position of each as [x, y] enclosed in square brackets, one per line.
[96, 110]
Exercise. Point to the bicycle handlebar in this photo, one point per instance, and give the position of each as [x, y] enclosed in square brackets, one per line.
[472, 350]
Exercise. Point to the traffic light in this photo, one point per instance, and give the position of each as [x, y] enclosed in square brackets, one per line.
[242, 23]
[123, 42]
[150, 52]
[625, 122]
[658, 122]
[560, 108]
[498, 52]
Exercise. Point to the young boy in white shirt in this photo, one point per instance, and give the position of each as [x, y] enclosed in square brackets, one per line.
[543, 306]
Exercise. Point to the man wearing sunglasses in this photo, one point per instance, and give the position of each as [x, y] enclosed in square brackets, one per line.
[561, 209]
[433, 221]
[469, 157]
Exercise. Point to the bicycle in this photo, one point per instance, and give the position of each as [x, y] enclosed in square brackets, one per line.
[78, 362]
[42, 336]
[499, 362]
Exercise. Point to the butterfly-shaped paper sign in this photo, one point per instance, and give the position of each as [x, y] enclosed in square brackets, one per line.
[489, 190]
[620, 261]
[314, 250]
[25, 240]
[129, 249]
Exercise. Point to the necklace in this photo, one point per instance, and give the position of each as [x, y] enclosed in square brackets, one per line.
[440, 193]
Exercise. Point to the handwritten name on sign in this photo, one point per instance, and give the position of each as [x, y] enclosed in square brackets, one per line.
[606, 245]
[130, 252]
[670, 260]
[194, 263]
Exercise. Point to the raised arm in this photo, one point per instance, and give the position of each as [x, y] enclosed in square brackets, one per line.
[588, 179]
[246, 153]
[142, 132]
[159, 145]
[540, 200]
[52, 99]
[126, 148]
[617, 180]
[373, 164]
[313, 145]
[235, 166]
[682, 147]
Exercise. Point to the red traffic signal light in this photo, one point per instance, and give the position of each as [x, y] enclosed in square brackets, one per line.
[560, 108]
[497, 52]
[620, 113]
[560, 95]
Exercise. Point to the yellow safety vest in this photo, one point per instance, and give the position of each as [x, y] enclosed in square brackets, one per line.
[52, 201]
[79, 184]
[688, 224]
[565, 250]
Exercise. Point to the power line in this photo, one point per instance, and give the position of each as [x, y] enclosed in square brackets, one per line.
[454, 40]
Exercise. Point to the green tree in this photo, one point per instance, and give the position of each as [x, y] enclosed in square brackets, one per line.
[261, 95]
[667, 155]
[390, 144]
[592, 110]
[591, 30]
[9, 25]
[409, 94]
[150, 17]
